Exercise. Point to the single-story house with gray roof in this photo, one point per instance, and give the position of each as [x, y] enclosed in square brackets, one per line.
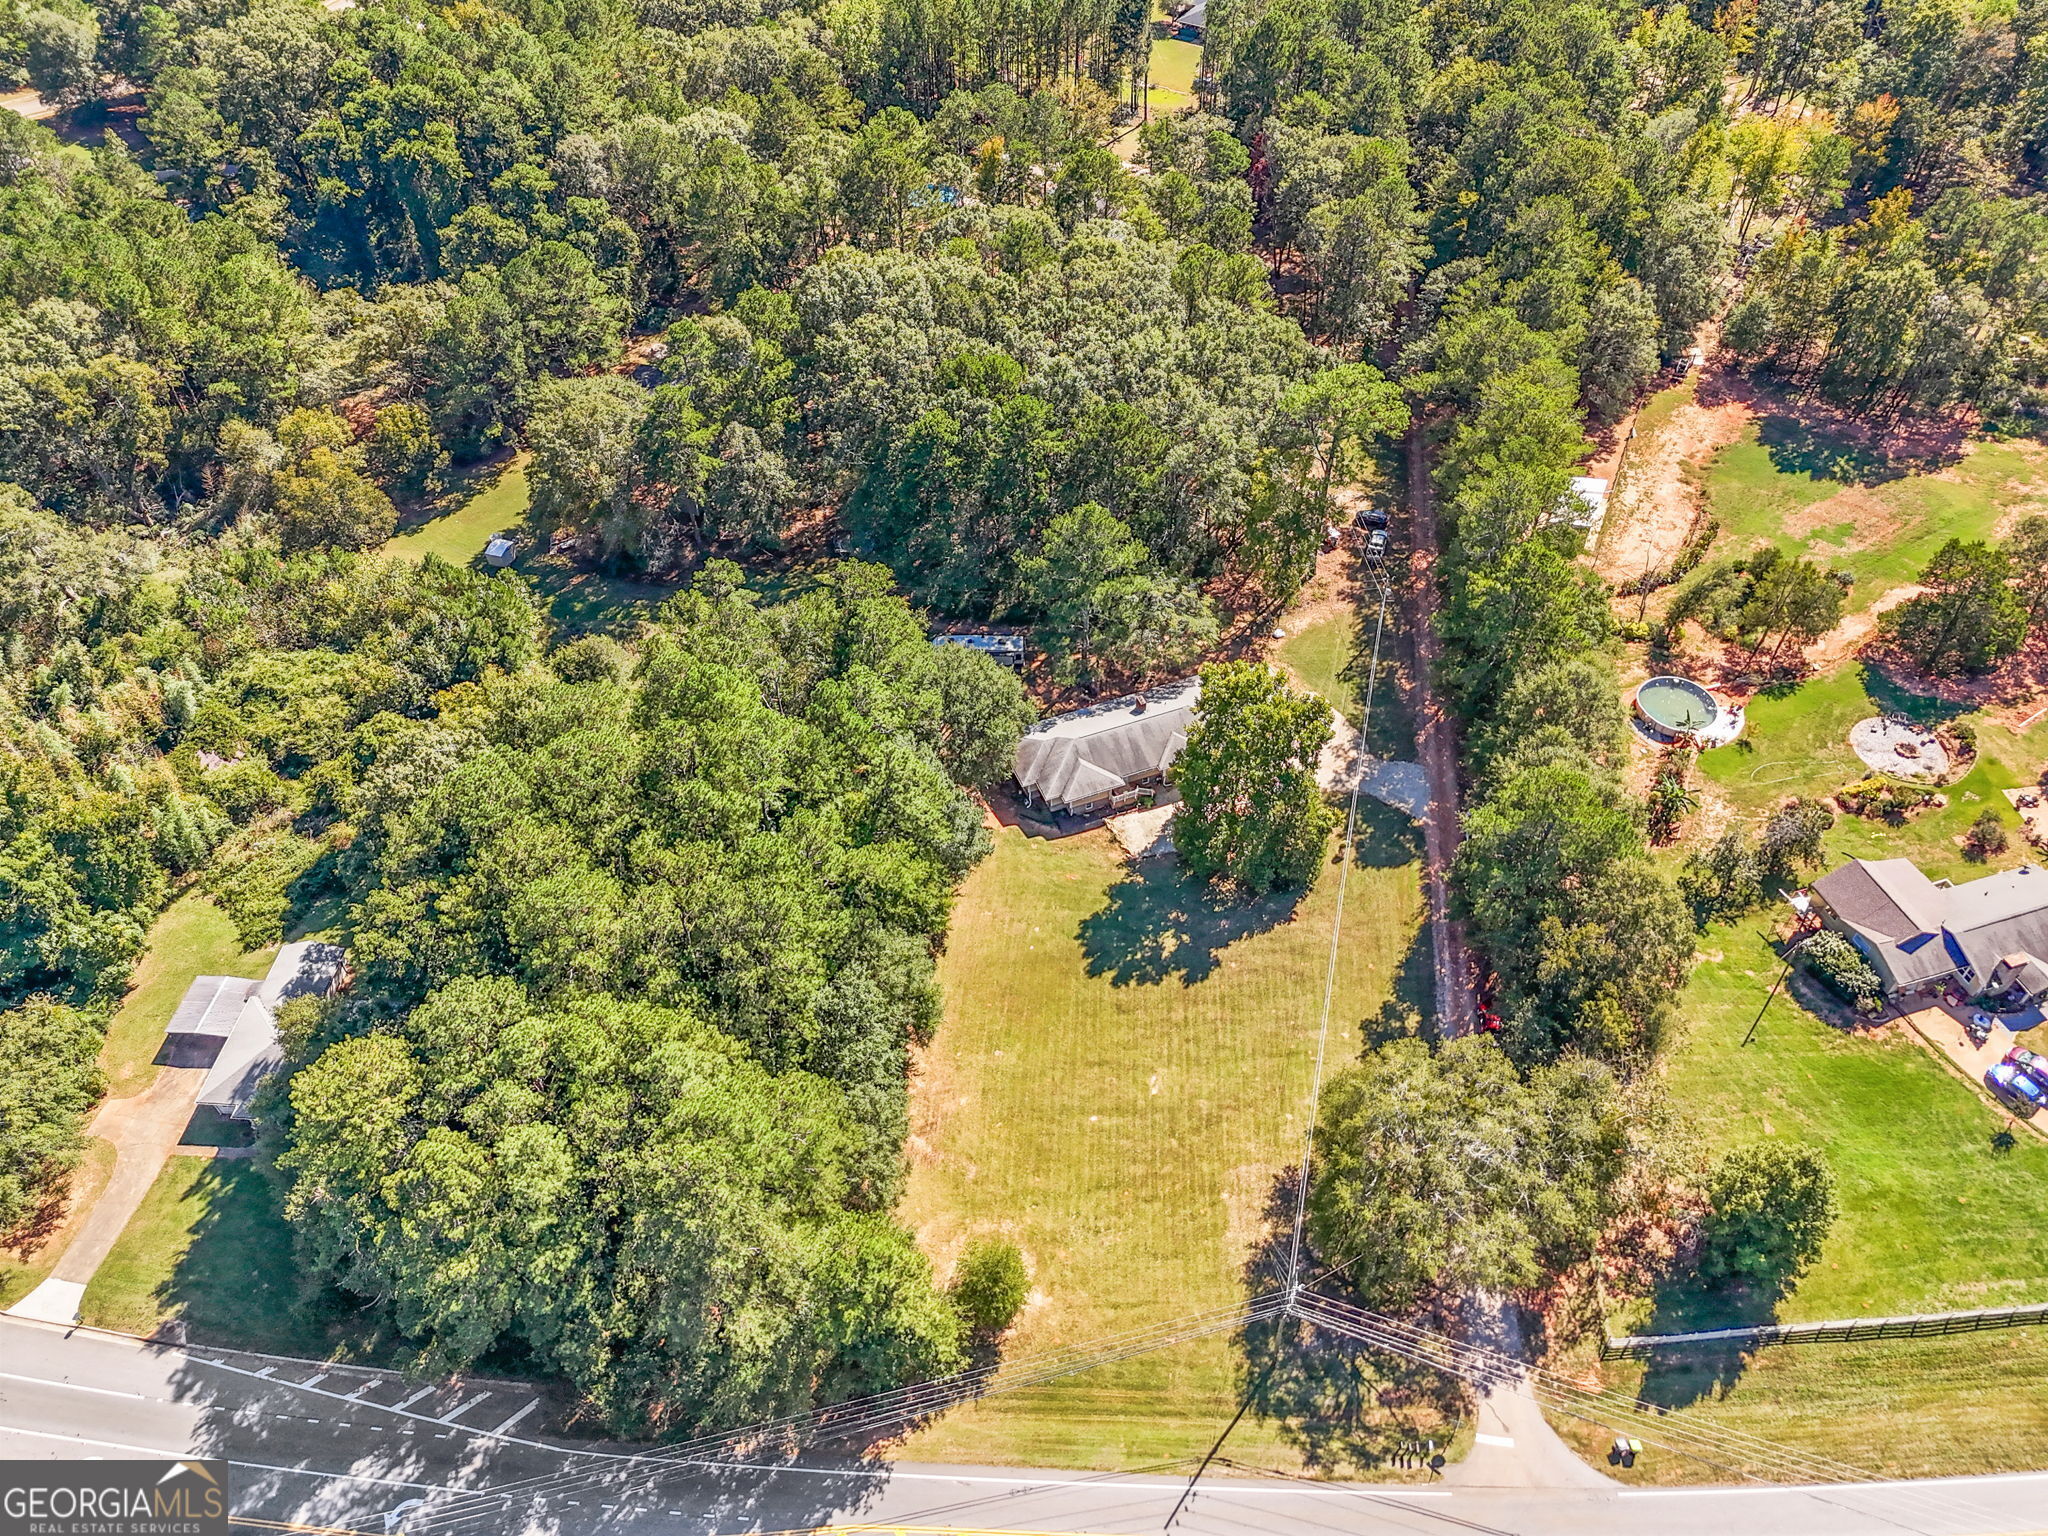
[1987, 936]
[228, 1024]
[1101, 758]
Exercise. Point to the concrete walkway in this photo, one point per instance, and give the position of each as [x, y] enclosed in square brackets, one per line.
[1515, 1447]
[144, 1129]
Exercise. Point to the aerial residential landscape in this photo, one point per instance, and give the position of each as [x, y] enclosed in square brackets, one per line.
[887, 765]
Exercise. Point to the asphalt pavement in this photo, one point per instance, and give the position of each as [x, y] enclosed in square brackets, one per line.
[339, 1450]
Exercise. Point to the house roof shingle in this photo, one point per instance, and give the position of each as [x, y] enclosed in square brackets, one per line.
[1921, 930]
[1076, 757]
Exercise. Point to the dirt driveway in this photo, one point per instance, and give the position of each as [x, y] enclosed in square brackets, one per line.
[1655, 506]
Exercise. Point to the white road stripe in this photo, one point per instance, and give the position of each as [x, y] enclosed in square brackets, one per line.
[313, 1381]
[531, 1404]
[1495, 1439]
[260, 1466]
[75, 1386]
[454, 1413]
[423, 1392]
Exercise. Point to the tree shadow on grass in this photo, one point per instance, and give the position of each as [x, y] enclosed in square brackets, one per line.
[1923, 709]
[1800, 448]
[238, 1281]
[1159, 923]
[1409, 1011]
[1343, 1407]
[1678, 1378]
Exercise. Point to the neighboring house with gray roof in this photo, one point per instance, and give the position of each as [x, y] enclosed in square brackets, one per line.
[1988, 935]
[228, 1024]
[1101, 758]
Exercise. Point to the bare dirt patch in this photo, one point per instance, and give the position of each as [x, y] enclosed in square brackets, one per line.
[1657, 504]
[1856, 629]
[1874, 522]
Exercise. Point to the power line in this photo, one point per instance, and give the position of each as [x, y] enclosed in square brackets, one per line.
[1347, 852]
[877, 1411]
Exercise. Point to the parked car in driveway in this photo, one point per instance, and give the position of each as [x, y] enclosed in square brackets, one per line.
[2033, 1063]
[2016, 1088]
[1372, 517]
[1376, 546]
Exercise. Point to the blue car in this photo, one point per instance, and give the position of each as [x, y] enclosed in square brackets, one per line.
[2032, 1063]
[2016, 1088]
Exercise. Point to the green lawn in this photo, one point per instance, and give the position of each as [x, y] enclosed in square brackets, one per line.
[1797, 743]
[1119, 1079]
[1175, 63]
[1770, 485]
[459, 535]
[1320, 653]
[1934, 1217]
[192, 937]
[1325, 657]
[578, 600]
[207, 1246]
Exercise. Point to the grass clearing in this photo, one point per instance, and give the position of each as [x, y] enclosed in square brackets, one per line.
[460, 534]
[578, 600]
[192, 937]
[208, 1247]
[1320, 653]
[1797, 743]
[1175, 63]
[1784, 485]
[1119, 1080]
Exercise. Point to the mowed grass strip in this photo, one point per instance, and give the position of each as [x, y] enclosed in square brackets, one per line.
[1780, 485]
[1120, 1079]
[208, 1247]
[1973, 1403]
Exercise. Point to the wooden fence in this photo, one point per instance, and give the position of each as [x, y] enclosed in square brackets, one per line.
[1839, 1331]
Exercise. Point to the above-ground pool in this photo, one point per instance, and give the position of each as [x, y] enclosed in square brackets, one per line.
[1672, 705]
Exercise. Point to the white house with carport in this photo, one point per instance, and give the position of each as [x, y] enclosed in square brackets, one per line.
[228, 1024]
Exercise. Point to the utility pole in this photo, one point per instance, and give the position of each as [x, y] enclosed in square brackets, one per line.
[1794, 950]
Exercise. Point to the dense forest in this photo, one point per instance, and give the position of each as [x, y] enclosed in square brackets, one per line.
[642, 933]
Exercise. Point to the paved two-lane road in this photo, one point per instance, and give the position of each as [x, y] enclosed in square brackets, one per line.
[341, 1450]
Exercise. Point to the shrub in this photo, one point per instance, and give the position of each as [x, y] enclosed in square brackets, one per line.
[990, 1286]
[1847, 974]
[1884, 798]
[246, 790]
[1987, 835]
